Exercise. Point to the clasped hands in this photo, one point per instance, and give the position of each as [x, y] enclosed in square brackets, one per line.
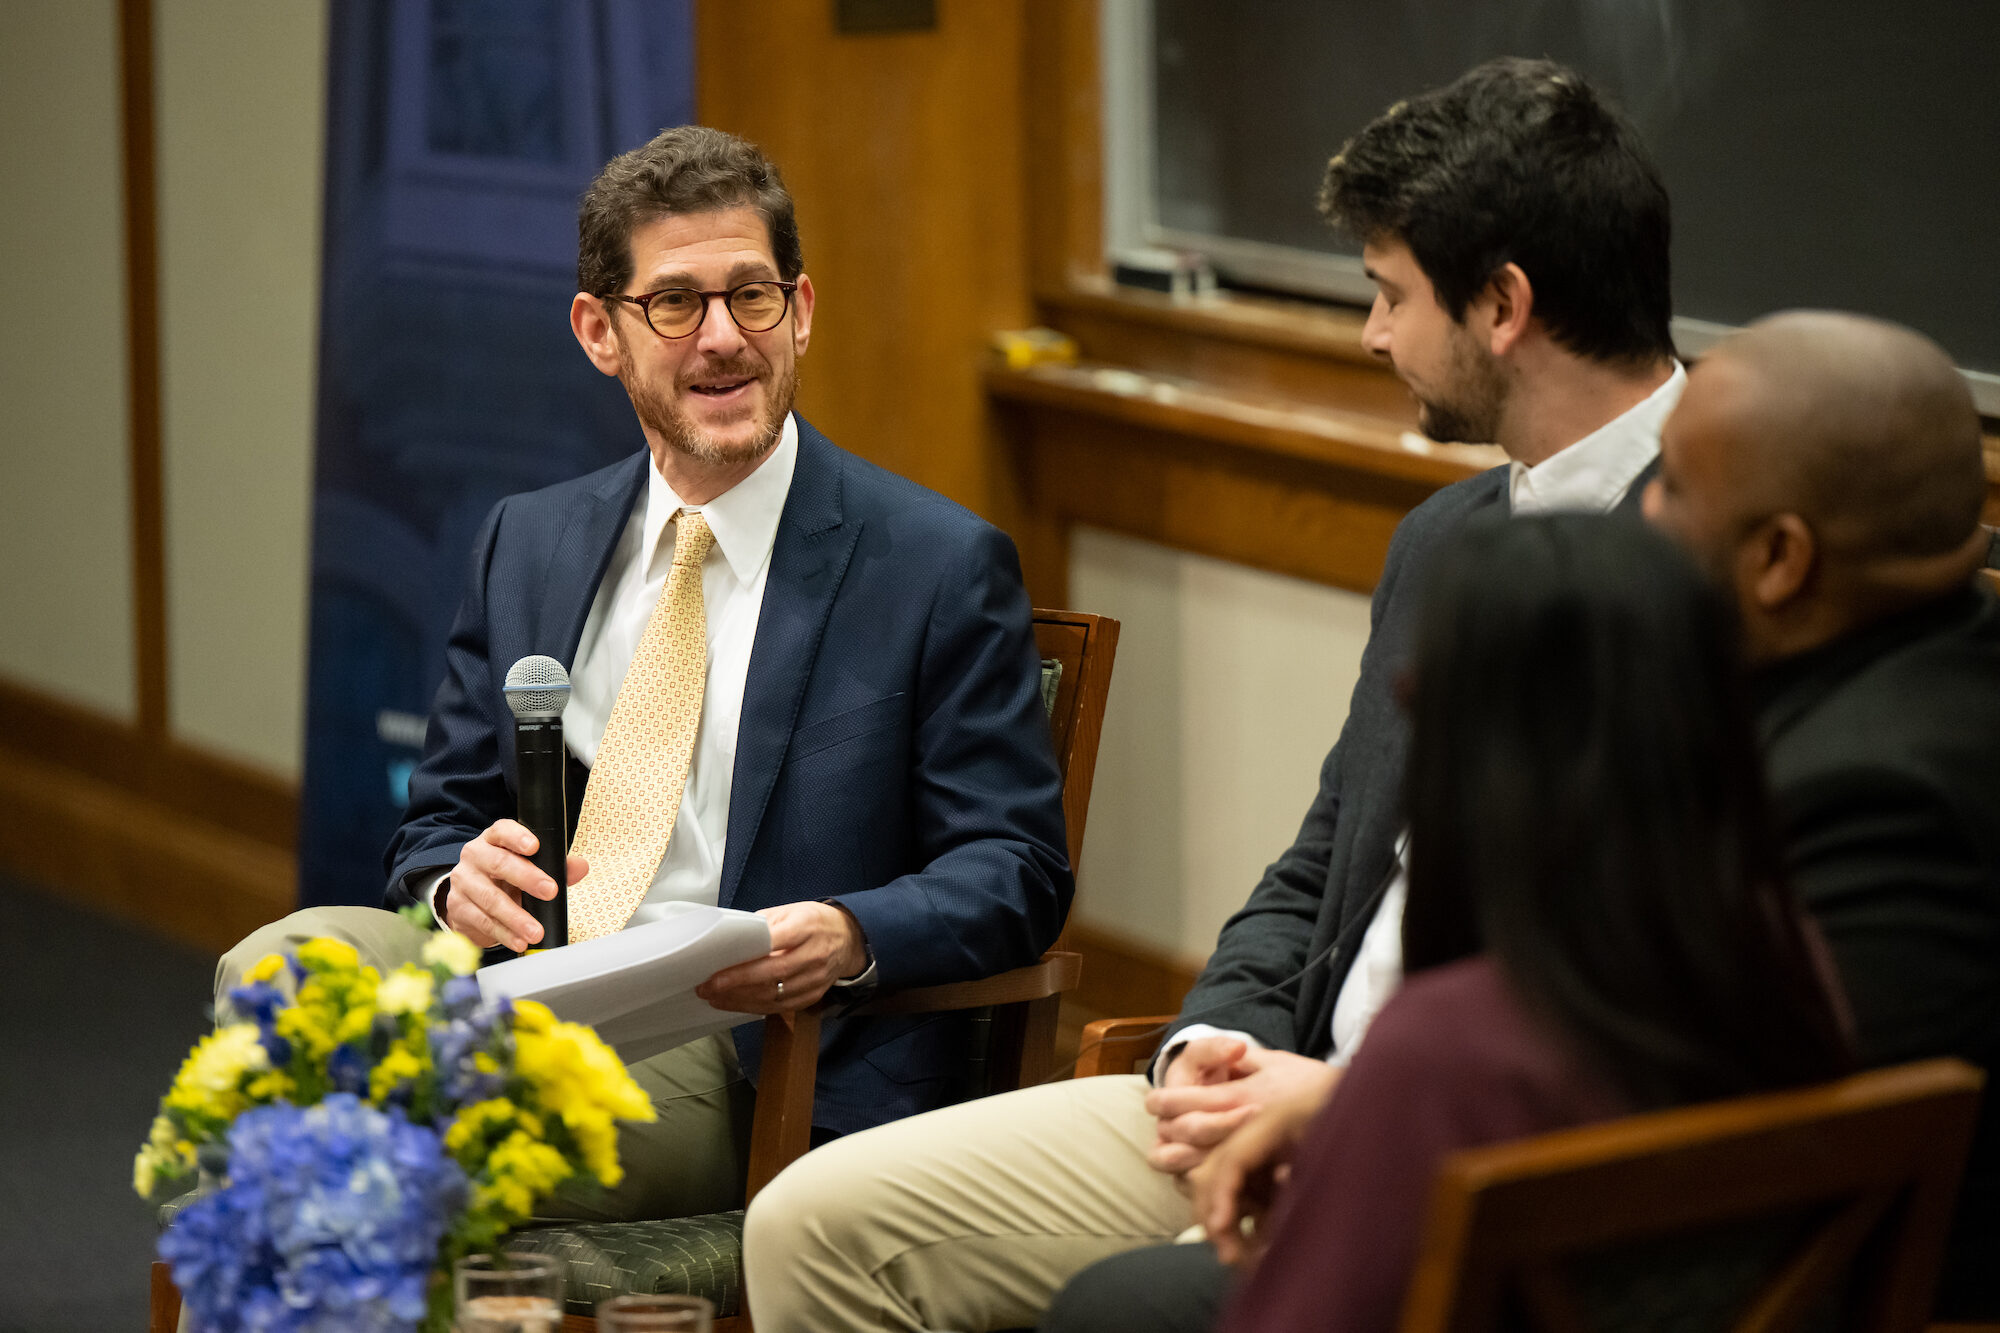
[1229, 1117]
[813, 944]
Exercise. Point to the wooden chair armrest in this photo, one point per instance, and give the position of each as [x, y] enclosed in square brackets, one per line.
[781, 1131]
[1053, 975]
[1116, 1045]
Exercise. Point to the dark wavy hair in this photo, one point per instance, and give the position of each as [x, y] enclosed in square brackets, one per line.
[1520, 161]
[687, 169]
[1587, 807]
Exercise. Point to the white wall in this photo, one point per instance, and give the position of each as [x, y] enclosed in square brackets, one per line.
[1230, 687]
[241, 134]
[65, 495]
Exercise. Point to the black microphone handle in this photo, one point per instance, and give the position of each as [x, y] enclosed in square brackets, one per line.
[544, 811]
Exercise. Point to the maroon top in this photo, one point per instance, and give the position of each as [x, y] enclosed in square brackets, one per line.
[1451, 1062]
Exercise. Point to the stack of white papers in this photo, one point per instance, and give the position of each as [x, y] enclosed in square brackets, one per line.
[636, 987]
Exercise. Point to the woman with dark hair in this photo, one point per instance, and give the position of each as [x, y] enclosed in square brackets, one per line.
[1597, 920]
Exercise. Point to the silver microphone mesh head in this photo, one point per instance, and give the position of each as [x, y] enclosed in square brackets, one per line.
[537, 688]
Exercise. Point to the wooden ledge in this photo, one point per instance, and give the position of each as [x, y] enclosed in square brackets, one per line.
[1255, 422]
[1257, 321]
[1054, 974]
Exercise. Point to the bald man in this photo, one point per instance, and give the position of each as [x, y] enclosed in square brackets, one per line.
[1828, 469]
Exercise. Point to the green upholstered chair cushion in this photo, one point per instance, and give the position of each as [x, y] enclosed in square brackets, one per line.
[686, 1256]
[1051, 683]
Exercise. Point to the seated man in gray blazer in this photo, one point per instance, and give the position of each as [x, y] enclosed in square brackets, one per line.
[1518, 310]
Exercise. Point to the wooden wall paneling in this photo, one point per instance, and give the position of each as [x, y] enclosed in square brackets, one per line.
[1065, 197]
[1271, 513]
[142, 296]
[120, 818]
[904, 152]
[1288, 351]
[1285, 500]
[121, 853]
[1122, 979]
[190, 784]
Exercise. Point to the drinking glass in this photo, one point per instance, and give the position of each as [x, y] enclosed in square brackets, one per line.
[513, 1293]
[655, 1314]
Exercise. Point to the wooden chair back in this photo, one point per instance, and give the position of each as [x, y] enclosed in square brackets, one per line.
[1822, 1207]
[1085, 647]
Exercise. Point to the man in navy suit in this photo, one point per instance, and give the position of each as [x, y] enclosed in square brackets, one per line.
[871, 769]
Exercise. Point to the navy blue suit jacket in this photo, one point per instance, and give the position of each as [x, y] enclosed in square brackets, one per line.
[893, 754]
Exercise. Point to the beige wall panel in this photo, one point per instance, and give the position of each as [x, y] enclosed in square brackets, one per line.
[241, 111]
[65, 498]
[1230, 688]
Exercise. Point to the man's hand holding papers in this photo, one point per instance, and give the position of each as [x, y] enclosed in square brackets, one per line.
[813, 945]
[637, 986]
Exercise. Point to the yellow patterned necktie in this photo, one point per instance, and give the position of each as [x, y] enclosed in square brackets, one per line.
[642, 763]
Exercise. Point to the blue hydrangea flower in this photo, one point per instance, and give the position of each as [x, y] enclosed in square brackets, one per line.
[330, 1221]
[259, 1003]
[460, 996]
[472, 1027]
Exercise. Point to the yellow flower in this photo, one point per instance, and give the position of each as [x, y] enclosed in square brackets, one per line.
[453, 952]
[164, 1151]
[273, 1085]
[308, 1027]
[328, 955]
[532, 1016]
[407, 990]
[266, 968]
[401, 1065]
[521, 1169]
[210, 1079]
[354, 1024]
[475, 1121]
[575, 1075]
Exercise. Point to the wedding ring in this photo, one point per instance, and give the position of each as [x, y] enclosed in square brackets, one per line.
[781, 990]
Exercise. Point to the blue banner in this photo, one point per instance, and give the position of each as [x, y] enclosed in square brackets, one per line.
[460, 134]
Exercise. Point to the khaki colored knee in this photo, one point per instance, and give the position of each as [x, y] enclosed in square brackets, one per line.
[801, 1224]
[383, 939]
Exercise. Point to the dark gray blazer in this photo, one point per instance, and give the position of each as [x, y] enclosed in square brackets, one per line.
[1321, 894]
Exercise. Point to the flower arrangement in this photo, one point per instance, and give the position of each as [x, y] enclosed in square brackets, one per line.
[370, 1132]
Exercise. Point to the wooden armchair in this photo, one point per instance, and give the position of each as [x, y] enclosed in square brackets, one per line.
[1016, 1021]
[1821, 1207]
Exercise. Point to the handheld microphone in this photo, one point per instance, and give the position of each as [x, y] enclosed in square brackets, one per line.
[536, 690]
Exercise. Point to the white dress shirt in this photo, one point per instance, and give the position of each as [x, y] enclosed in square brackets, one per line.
[744, 520]
[1591, 475]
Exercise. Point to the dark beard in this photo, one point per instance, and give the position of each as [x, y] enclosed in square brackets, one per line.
[1453, 424]
[658, 413]
[1472, 415]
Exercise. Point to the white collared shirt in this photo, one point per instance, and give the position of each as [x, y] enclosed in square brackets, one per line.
[744, 520]
[1591, 475]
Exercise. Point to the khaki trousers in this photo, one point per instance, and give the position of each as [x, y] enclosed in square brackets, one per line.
[689, 1161]
[970, 1218]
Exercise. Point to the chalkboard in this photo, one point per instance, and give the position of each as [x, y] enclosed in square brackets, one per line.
[1841, 153]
